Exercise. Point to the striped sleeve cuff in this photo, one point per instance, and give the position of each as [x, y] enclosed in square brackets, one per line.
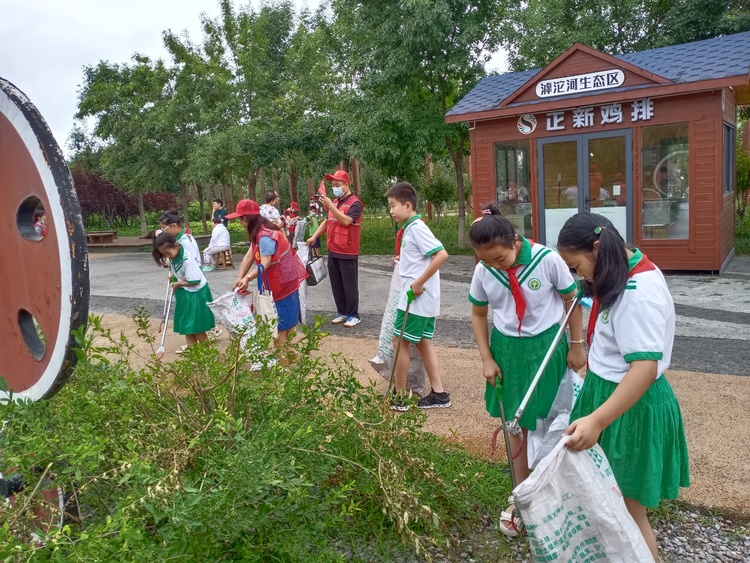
[434, 250]
[572, 287]
[635, 356]
[477, 302]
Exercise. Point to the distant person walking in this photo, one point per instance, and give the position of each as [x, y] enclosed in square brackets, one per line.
[342, 228]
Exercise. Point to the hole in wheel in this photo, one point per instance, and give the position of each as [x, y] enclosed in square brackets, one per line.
[32, 334]
[31, 219]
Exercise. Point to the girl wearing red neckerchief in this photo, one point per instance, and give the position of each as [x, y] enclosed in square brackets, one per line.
[626, 403]
[529, 288]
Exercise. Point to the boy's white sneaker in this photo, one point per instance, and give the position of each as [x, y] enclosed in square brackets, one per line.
[340, 319]
[352, 321]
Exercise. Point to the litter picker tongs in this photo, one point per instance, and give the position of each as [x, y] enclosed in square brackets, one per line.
[511, 426]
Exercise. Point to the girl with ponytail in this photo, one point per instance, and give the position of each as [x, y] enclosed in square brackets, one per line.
[529, 288]
[626, 403]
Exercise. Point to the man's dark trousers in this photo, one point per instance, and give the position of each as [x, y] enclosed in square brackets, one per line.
[344, 276]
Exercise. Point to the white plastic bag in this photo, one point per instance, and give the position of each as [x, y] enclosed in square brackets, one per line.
[416, 381]
[235, 312]
[574, 511]
[549, 430]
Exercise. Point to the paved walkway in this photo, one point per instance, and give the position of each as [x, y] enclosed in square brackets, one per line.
[713, 312]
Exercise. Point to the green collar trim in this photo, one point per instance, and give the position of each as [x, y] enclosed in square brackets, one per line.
[524, 257]
[410, 220]
[181, 234]
[634, 259]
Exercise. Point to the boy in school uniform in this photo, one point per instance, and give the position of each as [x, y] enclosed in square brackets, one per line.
[420, 257]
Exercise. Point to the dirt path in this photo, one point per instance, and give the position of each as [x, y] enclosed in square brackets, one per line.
[714, 408]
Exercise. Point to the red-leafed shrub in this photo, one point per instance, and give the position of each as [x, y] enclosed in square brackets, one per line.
[101, 202]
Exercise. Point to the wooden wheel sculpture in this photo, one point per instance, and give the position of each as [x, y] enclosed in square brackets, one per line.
[44, 274]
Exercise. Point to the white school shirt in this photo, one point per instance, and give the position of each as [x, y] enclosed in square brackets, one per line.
[543, 279]
[418, 245]
[219, 237]
[184, 268]
[639, 325]
[187, 242]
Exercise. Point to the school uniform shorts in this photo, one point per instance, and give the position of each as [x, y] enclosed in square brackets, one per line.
[417, 327]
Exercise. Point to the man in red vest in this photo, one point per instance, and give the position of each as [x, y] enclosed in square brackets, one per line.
[342, 228]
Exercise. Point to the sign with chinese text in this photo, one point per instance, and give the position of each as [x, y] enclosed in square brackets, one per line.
[600, 80]
[640, 110]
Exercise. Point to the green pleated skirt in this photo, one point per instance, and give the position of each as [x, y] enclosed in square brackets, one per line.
[646, 446]
[519, 359]
[191, 314]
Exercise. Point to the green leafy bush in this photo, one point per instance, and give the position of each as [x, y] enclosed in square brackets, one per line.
[204, 460]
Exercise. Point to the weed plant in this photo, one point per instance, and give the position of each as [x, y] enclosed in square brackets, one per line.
[202, 459]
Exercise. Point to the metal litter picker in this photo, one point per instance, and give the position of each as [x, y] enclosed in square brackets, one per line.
[511, 426]
[165, 322]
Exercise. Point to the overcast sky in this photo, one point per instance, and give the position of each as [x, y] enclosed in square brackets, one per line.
[46, 43]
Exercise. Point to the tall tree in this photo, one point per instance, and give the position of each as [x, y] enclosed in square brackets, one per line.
[408, 62]
[537, 31]
[127, 104]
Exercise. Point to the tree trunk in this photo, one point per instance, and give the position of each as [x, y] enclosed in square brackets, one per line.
[274, 182]
[142, 214]
[293, 177]
[261, 185]
[427, 176]
[185, 196]
[202, 203]
[458, 161]
[252, 182]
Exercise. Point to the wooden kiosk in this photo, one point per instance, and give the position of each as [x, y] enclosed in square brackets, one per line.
[646, 138]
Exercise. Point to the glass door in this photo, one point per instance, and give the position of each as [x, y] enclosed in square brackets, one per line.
[559, 179]
[590, 172]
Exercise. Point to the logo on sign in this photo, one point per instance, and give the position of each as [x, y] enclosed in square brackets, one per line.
[527, 123]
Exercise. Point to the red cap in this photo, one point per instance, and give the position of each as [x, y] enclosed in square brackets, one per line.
[338, 175]
[245, 207]
[295, 205]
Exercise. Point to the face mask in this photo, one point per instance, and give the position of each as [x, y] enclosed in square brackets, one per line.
[338, 192]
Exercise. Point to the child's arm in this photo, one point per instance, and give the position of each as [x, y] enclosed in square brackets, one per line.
[585, 431]
[317, 233]
[576, 355]
[438, 259]
[490, 369]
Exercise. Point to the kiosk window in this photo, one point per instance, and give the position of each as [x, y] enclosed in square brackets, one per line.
[512, 183]
[665, 180]
[730, 153]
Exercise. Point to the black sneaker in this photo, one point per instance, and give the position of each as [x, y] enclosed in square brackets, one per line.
[398, 402]
[435, 401]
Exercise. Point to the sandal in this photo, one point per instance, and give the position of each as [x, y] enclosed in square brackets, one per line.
[181, 349]
[511, 523]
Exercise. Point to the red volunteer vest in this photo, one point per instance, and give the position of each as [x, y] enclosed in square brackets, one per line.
[286, 271]
[344, 239]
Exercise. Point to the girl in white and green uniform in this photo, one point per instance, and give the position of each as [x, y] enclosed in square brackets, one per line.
[626, 403]
[529, 288]
[192, 317]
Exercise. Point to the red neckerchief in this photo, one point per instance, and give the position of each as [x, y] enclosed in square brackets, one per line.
[644, 265]
[515, 290]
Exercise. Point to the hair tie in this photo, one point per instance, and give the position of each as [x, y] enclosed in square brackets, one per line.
[486, 211]
[598, 230]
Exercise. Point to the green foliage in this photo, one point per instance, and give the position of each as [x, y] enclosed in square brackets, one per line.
[203, 460]
[379, 234]
[540, 30]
